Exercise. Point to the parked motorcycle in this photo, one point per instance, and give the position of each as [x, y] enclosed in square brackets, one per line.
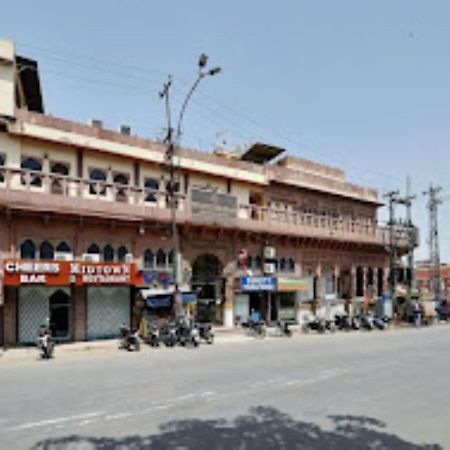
[206, 333]
[45, 342]
[168, 335]
[355, 323]
[129, 339]
[154, 336]
[342, 322]
[367, 322]
[188, 334]
[283, 328]
[316, 324]
[380, 323]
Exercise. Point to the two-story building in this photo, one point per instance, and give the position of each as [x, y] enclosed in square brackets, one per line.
[85, 225]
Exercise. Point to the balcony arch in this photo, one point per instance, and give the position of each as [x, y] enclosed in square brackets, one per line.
[63, 247]
[121, 181]
[93, 249]
[34, 165]
[46, 250]
[121, 253]
[108, 253]
[98, 178]
[161, 258]
[27, 249]
[149, 259]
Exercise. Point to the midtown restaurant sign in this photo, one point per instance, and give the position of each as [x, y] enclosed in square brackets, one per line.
[60, 273]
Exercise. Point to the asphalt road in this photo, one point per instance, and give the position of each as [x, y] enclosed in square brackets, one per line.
[379, 390]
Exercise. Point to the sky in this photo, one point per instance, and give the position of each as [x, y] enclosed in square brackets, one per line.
[359, 84]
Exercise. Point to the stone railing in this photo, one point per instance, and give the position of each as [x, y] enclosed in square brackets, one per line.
[39, 191]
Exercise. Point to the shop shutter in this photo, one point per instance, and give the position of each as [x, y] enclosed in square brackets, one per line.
[108, 308]
[241, 307]
[33, 312]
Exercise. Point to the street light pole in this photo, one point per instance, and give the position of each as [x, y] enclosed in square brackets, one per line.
[173, 141]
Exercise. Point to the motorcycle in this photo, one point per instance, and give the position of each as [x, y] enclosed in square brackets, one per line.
[154, 337]
[367, 322]
[168, 335]
[188, 334]
[130, 340]
[283, 328]
[342, 322]
[316, 324]
[380, 323]
[45, 342]
[206, 333]
[355, 323]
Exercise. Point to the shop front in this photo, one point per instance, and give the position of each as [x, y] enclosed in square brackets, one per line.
[253, 298]
[289, 295]
[69, 296]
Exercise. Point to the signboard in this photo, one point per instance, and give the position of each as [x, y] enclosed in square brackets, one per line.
[258, 284]
[155, 278]
[63, 273]
[213, 206]
[294, 284]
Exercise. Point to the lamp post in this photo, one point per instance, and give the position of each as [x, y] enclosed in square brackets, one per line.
[172, 140]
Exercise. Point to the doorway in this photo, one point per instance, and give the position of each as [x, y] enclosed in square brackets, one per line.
[59, 303]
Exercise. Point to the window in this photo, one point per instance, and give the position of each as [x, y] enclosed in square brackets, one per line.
[99, 176]
[121, 180]
[108, 253]
[63, 247]
[2, 164]
[282, 264]
[93, 249]
[121, 252]
[149, 259]
[291, 265]
[46, 251]
[160, 258]
[151, 186]
[58, 168]
[27, 249]
[171, 257]
[249, 261]
[32, 164]
[258, 262]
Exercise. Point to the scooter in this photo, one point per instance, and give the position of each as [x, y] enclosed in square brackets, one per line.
[188, 334]
[367, 322]
[154, 337]
[45, 342]
[380, 323]
[342, 322]
[316, 324]
[130, 340]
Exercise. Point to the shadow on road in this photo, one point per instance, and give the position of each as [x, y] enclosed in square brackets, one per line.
[263, 428]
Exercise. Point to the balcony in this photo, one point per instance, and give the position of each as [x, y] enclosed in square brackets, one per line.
[44, 192]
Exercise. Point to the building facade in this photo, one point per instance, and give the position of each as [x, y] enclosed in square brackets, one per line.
[85, 235]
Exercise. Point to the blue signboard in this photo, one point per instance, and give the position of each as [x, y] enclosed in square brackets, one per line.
[258, 284]
[152, 277]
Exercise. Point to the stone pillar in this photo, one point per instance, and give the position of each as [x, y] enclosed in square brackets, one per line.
[364, 270]
[319, 288]
[386, 280]
[352, 281]
[79, 313]
[337, 274]
[228, 320]
[10, 316]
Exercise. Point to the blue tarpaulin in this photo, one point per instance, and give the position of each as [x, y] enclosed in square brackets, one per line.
[159, 301]
[189, 297]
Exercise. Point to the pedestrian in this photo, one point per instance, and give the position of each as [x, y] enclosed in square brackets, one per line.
[417, 312]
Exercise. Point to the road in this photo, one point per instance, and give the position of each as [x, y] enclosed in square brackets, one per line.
[379, 390]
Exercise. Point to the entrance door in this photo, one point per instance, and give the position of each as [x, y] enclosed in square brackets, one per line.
[59, 314]
[33, 312]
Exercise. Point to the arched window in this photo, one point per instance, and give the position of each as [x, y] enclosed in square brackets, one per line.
[282, 264]
[93, 249]
[151, 187]
[2, 163]
[108, 253]
[121, 252]
[149, 259]
[291, 265]
[27, 249]
[63, 247]
[160, 258]
[46, 250]
[99, 176]
[34, 165]
[121, 181]
[258, 262]
[249, 261]
[58, 168]
[171, 257]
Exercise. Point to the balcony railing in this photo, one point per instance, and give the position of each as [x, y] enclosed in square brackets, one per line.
[39, 191]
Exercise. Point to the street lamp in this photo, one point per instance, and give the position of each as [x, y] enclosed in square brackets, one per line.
[173, 141]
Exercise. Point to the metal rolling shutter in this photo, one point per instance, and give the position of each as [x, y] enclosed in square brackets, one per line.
[107, 309]
[33, 312]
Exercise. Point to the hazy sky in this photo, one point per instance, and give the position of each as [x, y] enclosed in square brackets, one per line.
[364, 85]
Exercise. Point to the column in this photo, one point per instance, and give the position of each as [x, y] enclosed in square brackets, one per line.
[319, 288]
[337, 274]
[386, 280]
[352, 281]
[364, 281]
[79, 313]
[228, 321]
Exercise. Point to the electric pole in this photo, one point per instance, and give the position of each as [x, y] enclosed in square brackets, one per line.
[407, 201]
[433, 240]
[172, 140]
[392, 196]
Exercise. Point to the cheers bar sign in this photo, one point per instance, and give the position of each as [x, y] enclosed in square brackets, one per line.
[61, 273]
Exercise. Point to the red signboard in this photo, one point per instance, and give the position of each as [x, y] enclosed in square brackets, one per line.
[62, 273]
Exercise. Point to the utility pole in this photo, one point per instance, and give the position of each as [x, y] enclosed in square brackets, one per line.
[172, 140]
[392, 196]
[407, 201]
[433, 240]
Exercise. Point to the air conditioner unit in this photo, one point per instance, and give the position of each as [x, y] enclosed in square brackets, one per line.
[269, 268]
[129, 258]
[269, 252]
[90, 257]
[63, 256]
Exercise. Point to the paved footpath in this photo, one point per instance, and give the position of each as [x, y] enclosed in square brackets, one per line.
[379, 390]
